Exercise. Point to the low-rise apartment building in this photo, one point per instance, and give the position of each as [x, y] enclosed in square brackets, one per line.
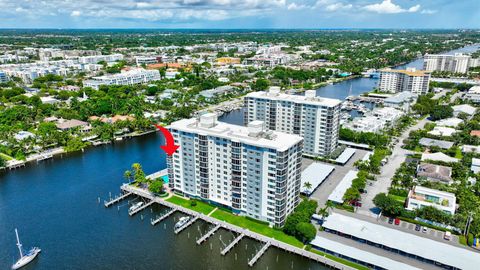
[131, 77]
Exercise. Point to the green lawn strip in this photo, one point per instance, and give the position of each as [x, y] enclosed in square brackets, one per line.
[201, 207]
[256, 227]
[6, 157]
[398, 198]
[340, 260]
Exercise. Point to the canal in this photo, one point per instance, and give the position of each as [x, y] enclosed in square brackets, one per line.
[54, 206]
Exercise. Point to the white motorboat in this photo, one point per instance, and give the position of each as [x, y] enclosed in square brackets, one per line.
[24, 258]
[182, 221]
[135, 206]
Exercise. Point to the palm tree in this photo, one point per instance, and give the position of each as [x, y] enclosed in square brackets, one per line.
[127, 175]
[307, 186]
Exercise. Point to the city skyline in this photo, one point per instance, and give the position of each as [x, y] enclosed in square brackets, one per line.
[248, 14]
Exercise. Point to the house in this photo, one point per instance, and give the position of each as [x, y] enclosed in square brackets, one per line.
[439, 156]
[436, 173]
[366, 124]
[464, 108]
[438, 143]
[401, 101]
[113, 119]
[475, 133]
[387, 114]
[49, 100]
[22, 135]
[449, 122]
[475, 168]
[471, 149]
[442, 131]
[419, 197]
[65, 125]
[473, 94]
[213, 93]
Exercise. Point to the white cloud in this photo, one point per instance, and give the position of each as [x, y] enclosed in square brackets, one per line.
[295, 6]
[338, 6]
[388, 7]
[75, 13]
[428, 11]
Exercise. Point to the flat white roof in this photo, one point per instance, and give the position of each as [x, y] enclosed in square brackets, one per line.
[315, 174]
[272, 139]
[329, 102]
[359, 254]
[345, 155]
[339, 191]
[409, 243]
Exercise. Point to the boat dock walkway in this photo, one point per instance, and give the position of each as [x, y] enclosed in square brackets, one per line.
[190, 222]
[131, 213]
[259, 254]
[164, 216]
[232, 244]
[273, 242]
[117, 199]
[208, 234]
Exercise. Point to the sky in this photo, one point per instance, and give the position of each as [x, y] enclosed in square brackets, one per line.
[237, 14]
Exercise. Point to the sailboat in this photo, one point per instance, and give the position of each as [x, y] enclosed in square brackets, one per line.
[24, 258]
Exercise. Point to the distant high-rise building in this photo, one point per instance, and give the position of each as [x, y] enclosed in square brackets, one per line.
[3, 77]
[411, 80]
[314, 118]
[458, 63]
[253, 171]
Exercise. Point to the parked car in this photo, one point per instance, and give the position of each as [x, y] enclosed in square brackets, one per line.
[424, 229]
[417, 228]
[397, 221]
[447, 236]
[390, 220]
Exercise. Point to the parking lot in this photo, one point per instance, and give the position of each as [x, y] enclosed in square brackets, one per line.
[430, 233]
[326, 188]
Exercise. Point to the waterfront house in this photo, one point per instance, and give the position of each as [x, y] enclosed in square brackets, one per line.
[65, 125]
[419, 197]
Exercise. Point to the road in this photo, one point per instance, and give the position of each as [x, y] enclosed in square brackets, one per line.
[388, 170]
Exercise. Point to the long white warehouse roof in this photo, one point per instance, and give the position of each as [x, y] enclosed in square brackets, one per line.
[346, 183]
[409, 243]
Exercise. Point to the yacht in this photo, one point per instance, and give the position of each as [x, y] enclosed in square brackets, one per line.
[135, 206]
[182, 221]
[24, 258]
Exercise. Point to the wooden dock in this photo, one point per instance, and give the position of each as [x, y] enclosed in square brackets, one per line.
[131, 213]
[208, 234]
[117, 199]
[155, 221]
[272, 242]
[232, 244]
[259, 254]
[190, 222]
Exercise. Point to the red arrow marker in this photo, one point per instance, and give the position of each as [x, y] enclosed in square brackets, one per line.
[170, 147]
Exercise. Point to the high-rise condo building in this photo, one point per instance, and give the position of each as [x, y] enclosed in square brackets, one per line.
[316, 119]
[253, 171]
[458, 63]
[410, 80]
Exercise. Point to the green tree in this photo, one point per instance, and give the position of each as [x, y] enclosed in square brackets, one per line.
[305, 232]
[261, 85]
[441, 112]
[156, 186]
[388, 205]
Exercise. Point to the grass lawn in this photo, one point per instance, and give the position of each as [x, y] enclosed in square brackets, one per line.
[201, 207]
[398, 198]
[256, 227]
[340, 260]
[6, 157]
[458, 153]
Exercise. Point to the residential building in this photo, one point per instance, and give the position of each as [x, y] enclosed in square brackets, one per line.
[228, 60]
[64, 125]
[146, 60]
[3, 77]
[219, 91]
[435, 173]
[389, 115]
[452, 122]
[419, 197]
[442, 131]
[131, 77]
[458, 63]
[475, 168]
[410, 80]
[316, 119]
[473, 94]
[401, 101]
[439, 156]
[253, 171]
[94, 59]
[367, 123]
[464, 108]
[437, 143]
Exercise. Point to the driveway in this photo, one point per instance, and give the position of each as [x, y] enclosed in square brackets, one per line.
[383, 181]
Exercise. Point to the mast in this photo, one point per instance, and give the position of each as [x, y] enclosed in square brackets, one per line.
[18, 244]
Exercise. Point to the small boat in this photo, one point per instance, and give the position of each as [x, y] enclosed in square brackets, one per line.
[135, 206]
[182, 221]
[24, 258]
